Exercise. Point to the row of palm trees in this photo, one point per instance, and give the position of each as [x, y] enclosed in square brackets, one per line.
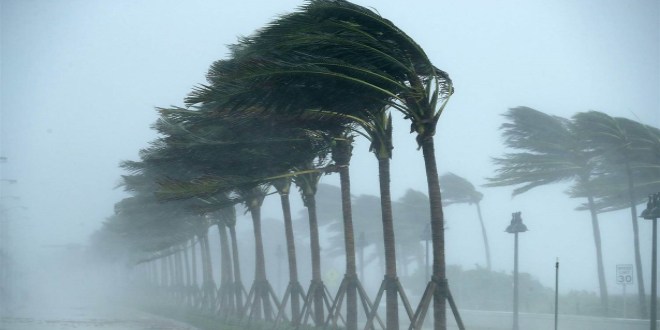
[612, 162]
[283, 109]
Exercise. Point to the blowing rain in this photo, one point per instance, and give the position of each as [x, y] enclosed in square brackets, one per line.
[327, 164]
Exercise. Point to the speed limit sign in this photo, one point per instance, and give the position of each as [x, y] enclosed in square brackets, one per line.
[624, 274]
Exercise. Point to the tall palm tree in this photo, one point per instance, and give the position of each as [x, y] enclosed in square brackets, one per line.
[368, 225]
[455, 190]
[342, 57]
[341, 155]
[261, 290]
[613, 139]
[414, 221]
[551, 152]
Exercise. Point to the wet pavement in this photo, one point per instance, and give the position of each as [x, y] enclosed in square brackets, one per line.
[62, 290]
[139, 323]
[85, 318]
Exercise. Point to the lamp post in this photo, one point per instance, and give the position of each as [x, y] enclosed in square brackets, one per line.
[516, 226]
[652, 212]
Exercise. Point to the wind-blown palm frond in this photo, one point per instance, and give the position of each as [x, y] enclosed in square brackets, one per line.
[625, 147]
[552, 152]
[456, 190]
[531, 170]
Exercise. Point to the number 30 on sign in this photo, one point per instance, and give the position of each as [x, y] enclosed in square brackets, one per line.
[624, 274]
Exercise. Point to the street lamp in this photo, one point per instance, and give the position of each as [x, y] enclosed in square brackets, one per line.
[516, 226]
[652, 212]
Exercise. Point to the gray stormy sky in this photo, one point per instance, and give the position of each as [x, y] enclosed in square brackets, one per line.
[80, 80]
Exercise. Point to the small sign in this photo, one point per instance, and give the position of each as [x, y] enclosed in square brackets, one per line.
[624, 274]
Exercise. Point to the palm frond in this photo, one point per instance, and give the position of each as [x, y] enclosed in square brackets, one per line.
[456, 189]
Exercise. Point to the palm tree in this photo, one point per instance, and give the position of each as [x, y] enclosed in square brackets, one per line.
[338, 56]
[414, 220]
[455, 190]
[368, 224]
[181, 213]
[614, 140]
[551, 152]
[273, 146]
[341, 155]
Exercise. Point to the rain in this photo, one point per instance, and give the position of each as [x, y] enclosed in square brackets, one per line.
[93, 93]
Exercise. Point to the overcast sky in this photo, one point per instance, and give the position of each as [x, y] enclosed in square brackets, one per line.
[81, 79]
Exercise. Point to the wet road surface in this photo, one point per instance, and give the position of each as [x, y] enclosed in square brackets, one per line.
[85, 318]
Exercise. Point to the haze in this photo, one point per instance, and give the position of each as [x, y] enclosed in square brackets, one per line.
[80, 81]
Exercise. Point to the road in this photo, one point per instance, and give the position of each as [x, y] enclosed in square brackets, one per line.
[90, 317]
[489, 320]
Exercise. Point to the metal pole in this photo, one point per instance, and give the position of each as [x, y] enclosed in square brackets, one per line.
[515, 283]
[654, 274]
[515, 227]
[556, 292]
[625, 307]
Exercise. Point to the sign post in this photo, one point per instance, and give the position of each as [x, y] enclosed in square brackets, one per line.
[624, 276]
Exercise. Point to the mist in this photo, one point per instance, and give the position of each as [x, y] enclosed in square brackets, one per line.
[80, 81]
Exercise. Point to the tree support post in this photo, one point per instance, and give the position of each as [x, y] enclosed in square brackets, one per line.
[293, 289]
[393, 284]
[316, 288]
[335, 311]
[435, 286]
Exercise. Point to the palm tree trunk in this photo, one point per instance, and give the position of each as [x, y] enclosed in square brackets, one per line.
[291, 254]
[226, 280]
[178, 263]
[170, 267]
[163, 272]
[349, 245]
[310, 202]
[604, 300]
[207, 266]
[186, 260]
[391, 297]
[238, 284]
[194, 263]
[188, 283]
[643, 310]
[260, 279]
[485, 236]
[437, 231]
